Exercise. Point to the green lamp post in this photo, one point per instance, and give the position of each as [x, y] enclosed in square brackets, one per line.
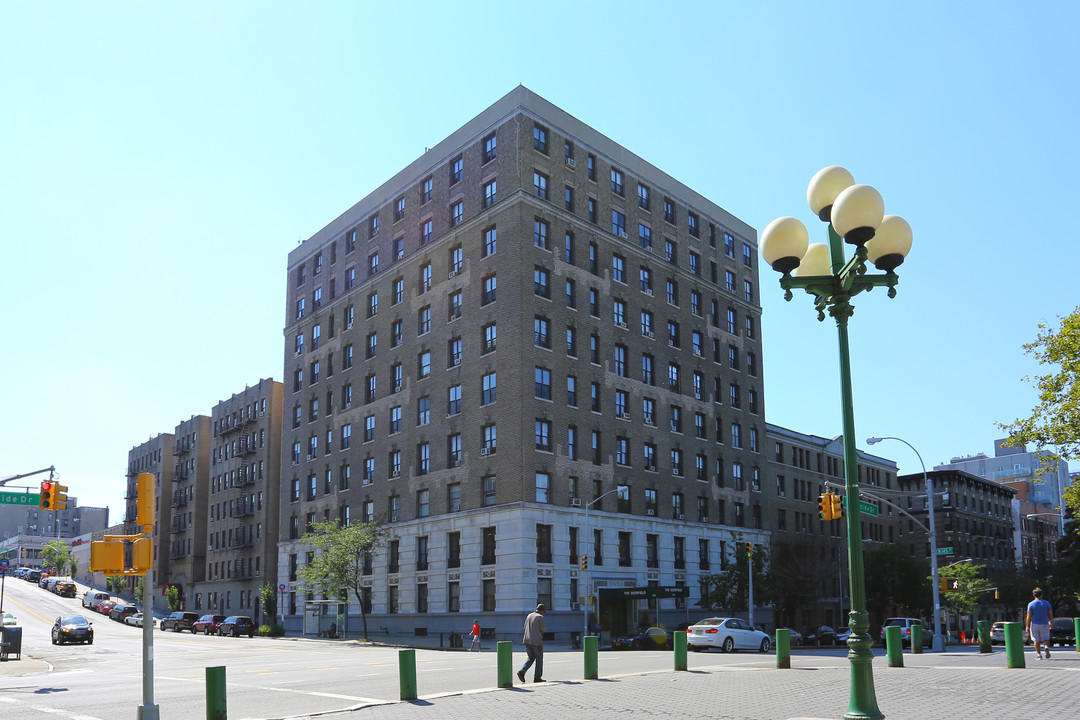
[856, 216]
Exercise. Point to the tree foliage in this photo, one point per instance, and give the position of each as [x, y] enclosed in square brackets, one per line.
[56, 555]
[971, 588]
[268, 602]
[1054, 424]
[796, 577]
[172, 596]
[337, 566]
[896, 581]
[730, 590]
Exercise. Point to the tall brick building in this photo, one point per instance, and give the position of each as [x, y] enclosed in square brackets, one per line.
[524, 319]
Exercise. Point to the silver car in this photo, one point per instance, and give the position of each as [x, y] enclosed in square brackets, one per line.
[728, 634]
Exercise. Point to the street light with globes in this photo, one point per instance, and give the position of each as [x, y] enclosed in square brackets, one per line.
[856, 216]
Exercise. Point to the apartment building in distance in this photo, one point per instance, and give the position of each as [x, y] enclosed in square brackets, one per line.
[527, 346]
[240, 505]
[1016, 466]
[155, 456]
[813, 553]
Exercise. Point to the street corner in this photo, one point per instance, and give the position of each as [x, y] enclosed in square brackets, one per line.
[25, 666]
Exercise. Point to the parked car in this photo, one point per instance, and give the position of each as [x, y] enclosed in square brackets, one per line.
[842, 634]
[207, 624]
[179, 621]
[64, 587]
[32, 576]
[10, 619]
[997, 634]
[795, 638]
[237, 625]
[120, 611]
[43, 581]
[91, 598]
[135, 619]
[72, 628]
[905, 625]
[821, 635]
[727, 634]
[1062, 631]
[105, 606]
[651, 638]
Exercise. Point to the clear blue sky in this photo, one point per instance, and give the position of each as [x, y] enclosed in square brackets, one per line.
[159, 160]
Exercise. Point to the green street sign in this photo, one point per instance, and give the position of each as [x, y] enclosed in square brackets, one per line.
[868, 508]
[17, 498]
[945, 551]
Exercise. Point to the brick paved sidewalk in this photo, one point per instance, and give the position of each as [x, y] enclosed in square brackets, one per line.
[961, 685]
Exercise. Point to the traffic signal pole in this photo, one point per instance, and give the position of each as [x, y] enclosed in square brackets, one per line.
[148, 710]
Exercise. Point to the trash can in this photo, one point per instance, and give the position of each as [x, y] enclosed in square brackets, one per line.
[11, 643]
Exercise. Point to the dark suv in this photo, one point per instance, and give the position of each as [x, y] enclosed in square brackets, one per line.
[179, 621]
[1062, 632]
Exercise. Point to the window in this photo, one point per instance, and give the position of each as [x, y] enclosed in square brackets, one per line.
[541, 334]
[457, 213]
[748, 291]
[453, 404]
[594, 302]
[676, 419]
[423, 464]
[673, 377]
[676, 462]
[729, 245]
[399, 291]
[373, 226]
[673, 334]
[616, 181]
[426, 188]
[488, 388]
[594, 395]
[543, 435]
[620, 361]
[568, 198]
[540, 138]
[456, 166]
[369, 428]
[424, 320]
[394, 462]
[591, 163]
[490, 440]
[747, 256]
[571, 443]
[692, 224]
[540, 282]
[647, 375]
[490, 241]
[671, 290]
[423, 410]
[592, 210]
[618, 309]
[622, 451]
[425, 232]
[649, 456]
[396, 332]
[571, 391]
[625, 539]
[594, 349]
[540, 234]
[423, 507]
[695, 263]
[423, 364]
[540, 185]
[488, 295]
[453, 352]
[648, 406]
[491, 193]
[594, 259]
[644, 233]
[373, 264]
[490, 145]
[399, 208]
[642, 197]
[669, 210]
[454, 306]
[489, 339]
[618, 268]
[453, 450]
[571, 342]
[696, 344]
[568, 248]
[618, 223]
[571, 300]
[671, 251]
[372, 345]
[646, 323]
[542, 382]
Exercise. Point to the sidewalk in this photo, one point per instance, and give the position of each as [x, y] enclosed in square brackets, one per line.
[962, 684]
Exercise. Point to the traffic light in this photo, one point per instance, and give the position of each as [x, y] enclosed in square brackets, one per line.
[584, 562]
[45, 500]
[836, 505]
[144, 489]
[60, 497]
[107, 557]
[824, 507]
[750, 550]
[142, 554]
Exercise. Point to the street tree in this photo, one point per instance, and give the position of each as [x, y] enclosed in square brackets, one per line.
[794, 579]
[896, 581]
[968, 588]
[56, 555]
[1054, 424]
[268, 603]
[730, 590]
[337, 566]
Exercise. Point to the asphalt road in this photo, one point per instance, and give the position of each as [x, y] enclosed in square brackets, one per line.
[266, 677]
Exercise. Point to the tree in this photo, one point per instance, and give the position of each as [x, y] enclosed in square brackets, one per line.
[73, 563]
[337, 566]
[116, 583]
[140, 586]
[55, 555]
[795, 577]
[970, 590]
[268, 602]
[896, 580]
[172, 595]
[730, 589]
[1055, 422]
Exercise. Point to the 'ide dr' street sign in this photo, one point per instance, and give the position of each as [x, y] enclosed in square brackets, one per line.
[17, 498]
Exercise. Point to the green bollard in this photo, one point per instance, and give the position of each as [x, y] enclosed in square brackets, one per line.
[680, 650]
[1076, 633]
[916, 639]
[895, 646]
[504, 650]
[215, 694]
[783, 649]
[592, 643]
[407, 673]
[1014, 645]
[984, 636]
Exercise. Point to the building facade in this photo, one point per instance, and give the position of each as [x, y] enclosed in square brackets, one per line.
[524, 320]
[813, 553]
[1016, 466]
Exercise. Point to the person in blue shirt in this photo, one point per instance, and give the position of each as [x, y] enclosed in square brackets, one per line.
[1037, 621]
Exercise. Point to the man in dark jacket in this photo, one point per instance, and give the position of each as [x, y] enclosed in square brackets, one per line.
[535, 627]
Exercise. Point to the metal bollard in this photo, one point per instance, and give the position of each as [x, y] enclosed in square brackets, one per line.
[407, 673]
[916, 639]
[783, 649]
[679, 652]
[1076, 633]
[895, 646]
[592, 643]
[984, 636]
[504, 656]
[1014, 645]
[216, 701]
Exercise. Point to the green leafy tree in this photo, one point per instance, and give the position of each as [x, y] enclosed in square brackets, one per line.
[1054, 424]
[794, 577]
[896, 582]
[140, 586]
[268, 603]
[730, 589]
[971, 588]
[337, 567]
[73, 563]
[116, 583]
[172, 596]
[56, 556]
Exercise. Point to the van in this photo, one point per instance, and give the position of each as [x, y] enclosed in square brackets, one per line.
[91, 598]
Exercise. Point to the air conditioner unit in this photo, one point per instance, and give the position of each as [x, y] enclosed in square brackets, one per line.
[455, 507]
[624, 416]
[457, 360]
[647, 333]
[621, 324]
[704, 519]
[298, 353]
[622, 233]
[680, 516]
[570, 162]
[397, 387]
[648, 419]
[575, 502]
[452, 275]
[648, 291]
[485, 451]
[650, 512]
[310, 456]
[400, 254]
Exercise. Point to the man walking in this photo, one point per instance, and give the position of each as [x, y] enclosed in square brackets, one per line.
[476, 637]
[535, 627]
[1037, 621]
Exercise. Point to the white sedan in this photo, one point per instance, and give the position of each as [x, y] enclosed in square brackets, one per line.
[135, 619]
[727, 634]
